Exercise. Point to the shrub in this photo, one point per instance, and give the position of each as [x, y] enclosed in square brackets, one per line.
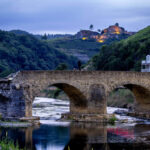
[112, 120]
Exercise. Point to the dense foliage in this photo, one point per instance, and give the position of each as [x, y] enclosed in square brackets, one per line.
[125, 55]
[73, 46]
[25, 52]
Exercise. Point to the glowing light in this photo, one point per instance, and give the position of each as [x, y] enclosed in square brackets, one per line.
[84, 38]
[101, 41]
[116, 30]
[101, 38]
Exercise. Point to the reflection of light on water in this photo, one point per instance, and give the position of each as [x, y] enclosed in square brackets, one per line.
[121, 132]
[49, 110]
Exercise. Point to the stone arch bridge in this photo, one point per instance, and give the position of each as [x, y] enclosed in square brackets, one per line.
[87, 90]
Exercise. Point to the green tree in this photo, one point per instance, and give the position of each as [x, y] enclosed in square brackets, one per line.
[91, 27]
[117, 24]
[44, 37]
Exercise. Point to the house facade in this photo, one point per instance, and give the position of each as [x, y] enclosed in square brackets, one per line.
[146, 64]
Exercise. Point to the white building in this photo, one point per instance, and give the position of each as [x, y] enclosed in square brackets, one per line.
[146, 64]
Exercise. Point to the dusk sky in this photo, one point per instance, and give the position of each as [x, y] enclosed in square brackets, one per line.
[69, 16]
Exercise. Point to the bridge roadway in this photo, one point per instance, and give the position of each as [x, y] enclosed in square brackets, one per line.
[87, 91]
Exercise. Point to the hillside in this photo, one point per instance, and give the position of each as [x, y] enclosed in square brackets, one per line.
[25, 52]
[125, 55]
[81, 49]
[86, 43]
[19, 32]
[48, 36]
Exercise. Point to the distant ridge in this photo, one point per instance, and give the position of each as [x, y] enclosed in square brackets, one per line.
[19, 32]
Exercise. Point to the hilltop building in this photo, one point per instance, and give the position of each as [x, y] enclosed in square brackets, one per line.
[146, 64]
[112, 32]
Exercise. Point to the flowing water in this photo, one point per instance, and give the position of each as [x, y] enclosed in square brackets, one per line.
[53, 134]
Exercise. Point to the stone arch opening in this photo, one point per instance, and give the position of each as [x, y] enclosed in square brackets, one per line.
[120, 97]
[77, 99]
[141, 96]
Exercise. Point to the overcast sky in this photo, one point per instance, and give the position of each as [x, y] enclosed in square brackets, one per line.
[69, 16]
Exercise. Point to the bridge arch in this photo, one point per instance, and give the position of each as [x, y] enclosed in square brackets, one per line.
[78, 101]
[141, 96]
[76, 97]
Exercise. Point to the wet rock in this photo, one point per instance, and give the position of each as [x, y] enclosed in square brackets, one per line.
[139, 115]
[124, 121]
[121, 112]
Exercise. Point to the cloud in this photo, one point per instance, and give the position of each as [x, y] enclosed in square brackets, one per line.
[72, 15]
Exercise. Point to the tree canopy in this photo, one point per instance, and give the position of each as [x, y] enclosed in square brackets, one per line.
[25, 52]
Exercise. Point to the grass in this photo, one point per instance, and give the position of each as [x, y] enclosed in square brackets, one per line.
[112, 120]
[6, 144]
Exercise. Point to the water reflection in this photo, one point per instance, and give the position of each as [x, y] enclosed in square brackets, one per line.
[102, 137]
[81, 136]
[22, 136]
[50, 137]
[87, 136]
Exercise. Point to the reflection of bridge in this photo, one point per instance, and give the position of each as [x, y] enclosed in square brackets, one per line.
[88, 136]
[87, 90]
[83, 136]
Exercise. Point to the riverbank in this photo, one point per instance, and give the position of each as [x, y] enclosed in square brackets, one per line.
[15, 124]
[6, 144]
[54, 111]
[23, 122]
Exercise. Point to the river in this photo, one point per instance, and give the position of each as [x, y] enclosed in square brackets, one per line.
[127, 134]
